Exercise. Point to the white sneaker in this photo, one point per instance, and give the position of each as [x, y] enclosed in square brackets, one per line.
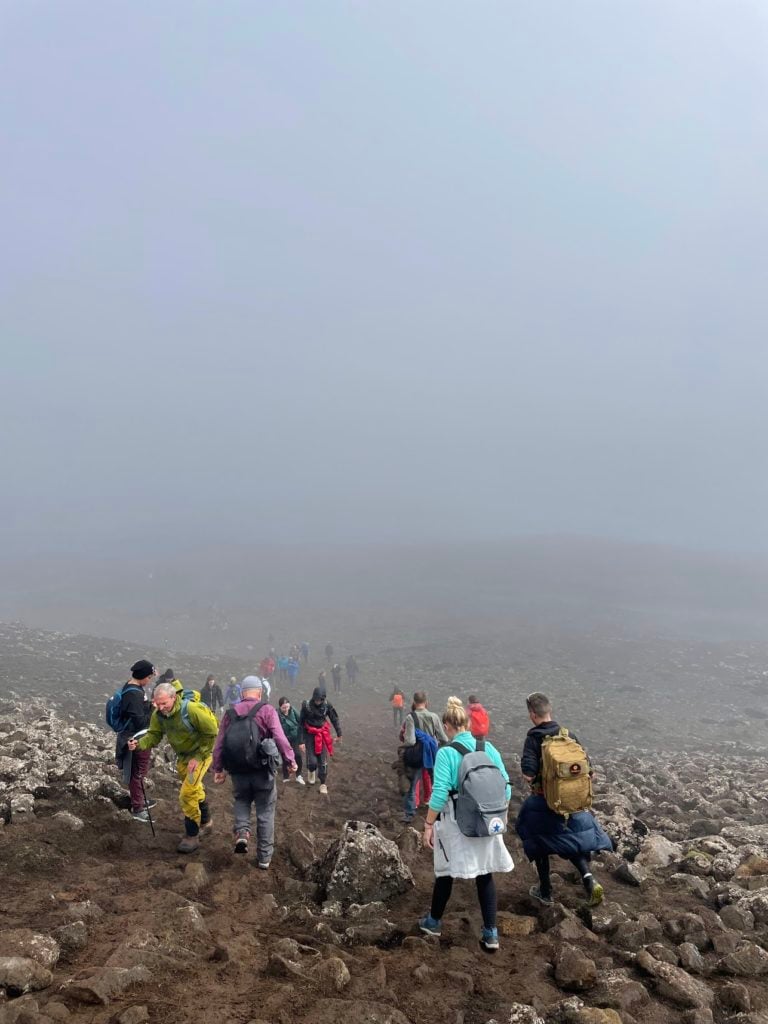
[323, 788]
[300, 780]
[311, 778]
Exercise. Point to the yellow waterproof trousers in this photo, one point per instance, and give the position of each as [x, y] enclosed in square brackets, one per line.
[192, 792]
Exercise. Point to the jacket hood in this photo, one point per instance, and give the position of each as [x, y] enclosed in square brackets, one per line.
[318, 693]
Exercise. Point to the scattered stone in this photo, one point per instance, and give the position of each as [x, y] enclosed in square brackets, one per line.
[331, 974]
[631, 873]
[748, 961]
[300, 847]
[133, 1015]
[658, 852]
[70, 821]
[72, 937]
[105, 984]
[362, 866]
[515, 924]
[690, 958]
[26, 943]
[675, 984]
[20, 974]
[574, 971]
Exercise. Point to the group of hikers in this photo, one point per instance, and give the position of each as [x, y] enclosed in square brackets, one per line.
[248, 743]
[445, 761]
[448, 763]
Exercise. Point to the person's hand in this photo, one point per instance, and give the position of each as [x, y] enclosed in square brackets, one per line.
[302, 747]
[293, 767]
[132, 744]
[428, 836]
[192, 768]
[218, 777]
[338, 739]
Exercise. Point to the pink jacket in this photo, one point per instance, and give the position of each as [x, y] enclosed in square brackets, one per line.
[267, 721]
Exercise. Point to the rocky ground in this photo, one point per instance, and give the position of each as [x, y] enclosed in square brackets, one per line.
[100, 921]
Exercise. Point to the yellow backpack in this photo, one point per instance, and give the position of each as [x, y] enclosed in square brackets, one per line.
[565, 775]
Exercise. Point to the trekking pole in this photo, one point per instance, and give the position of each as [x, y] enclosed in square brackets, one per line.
[137, 736]
[146, 808]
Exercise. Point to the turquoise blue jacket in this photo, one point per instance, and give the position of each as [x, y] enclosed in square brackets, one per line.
[446, 775]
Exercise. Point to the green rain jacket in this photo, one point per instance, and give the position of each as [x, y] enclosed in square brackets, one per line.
[195, 742]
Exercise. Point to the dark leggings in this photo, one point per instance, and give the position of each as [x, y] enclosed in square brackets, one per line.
[580, 863]
[486, 894]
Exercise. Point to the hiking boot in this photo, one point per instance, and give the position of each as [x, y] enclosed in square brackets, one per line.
[264, 865]
[430, 926]
[323, 788]
[311, 776]
[596, 896]
[189, 844]
[241, 841]
[489, 939]
[140, 816]
[300, 780]
[535, 893]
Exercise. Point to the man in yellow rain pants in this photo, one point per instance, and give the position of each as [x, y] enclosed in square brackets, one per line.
[190, 727]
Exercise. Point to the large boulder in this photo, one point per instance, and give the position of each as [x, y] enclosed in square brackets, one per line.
[362, 866]
[675, 984]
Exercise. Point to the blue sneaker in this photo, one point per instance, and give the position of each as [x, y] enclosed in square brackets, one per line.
[430, 926]
[489, 939]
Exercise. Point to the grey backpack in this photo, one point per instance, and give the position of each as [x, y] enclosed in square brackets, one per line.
[481, 798]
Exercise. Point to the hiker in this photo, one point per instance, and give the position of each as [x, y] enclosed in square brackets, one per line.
[322, 681]
[336, 676]
[329, 652]
[455, 854]
[233, 694]
[479, 721]
[267, 668]
[422, 720]
[135, 712]
[190, 727]
[289, 720]
[351, 667]
[212, 696]
[315, 721]
[397, 700]
[540, 713]
[252, 783]
[282, 668]
[293, 670]
[305, 651]
[574, 838]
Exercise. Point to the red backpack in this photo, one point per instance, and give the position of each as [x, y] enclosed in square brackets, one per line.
[479, 722]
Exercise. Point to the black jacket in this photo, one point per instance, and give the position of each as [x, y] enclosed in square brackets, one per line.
[313, 715]
[136, 710]
[530, 763]
[212, 696]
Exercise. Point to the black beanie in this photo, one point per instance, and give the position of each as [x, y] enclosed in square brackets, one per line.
[143, 669]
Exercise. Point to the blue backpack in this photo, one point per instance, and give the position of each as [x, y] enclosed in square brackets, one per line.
[113, 711]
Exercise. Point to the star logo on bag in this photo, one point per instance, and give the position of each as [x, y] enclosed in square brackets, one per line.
[495, 826]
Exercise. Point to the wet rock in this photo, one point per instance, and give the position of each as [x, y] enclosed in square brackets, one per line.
[20, 974]
[362, 866]
[26, 943]
[574, 971]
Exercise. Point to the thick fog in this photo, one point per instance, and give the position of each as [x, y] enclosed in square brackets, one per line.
[330, 272]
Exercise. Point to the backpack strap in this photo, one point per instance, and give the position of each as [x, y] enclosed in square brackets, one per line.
[460, 748]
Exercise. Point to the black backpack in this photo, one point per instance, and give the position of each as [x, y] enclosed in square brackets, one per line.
[413, 757]
[243, 750]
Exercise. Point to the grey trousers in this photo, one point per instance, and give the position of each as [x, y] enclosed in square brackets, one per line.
[264, 802]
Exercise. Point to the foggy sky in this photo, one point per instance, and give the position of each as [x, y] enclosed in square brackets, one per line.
[354, 271]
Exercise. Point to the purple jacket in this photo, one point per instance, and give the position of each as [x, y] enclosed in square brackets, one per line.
[268, 723]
